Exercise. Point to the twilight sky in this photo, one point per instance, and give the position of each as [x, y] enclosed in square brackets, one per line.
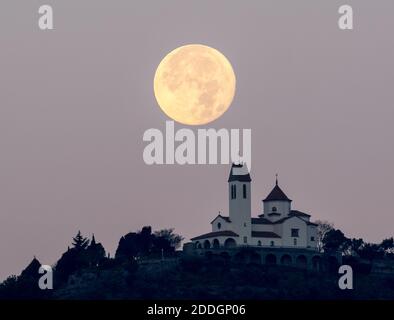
[75, 102]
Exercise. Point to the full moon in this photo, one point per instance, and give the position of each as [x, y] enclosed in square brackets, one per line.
[194, 84]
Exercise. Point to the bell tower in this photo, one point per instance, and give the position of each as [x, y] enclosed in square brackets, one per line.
[239, 195]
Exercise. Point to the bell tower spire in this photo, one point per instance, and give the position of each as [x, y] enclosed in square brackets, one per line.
[276, 205]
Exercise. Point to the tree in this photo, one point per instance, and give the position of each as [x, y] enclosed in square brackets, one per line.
[173, 238]
[335, 240]
[145, 240]
[355, 246]
[162, 245]
[387, 246]
[81, 255]
[32, 269]
[126, 247]
[95, 252]
[371, 251]
[322, 228]
[144, 243]
[69, 263]
[80, 242]
[9, 288]
[24, 286]
[135, 244]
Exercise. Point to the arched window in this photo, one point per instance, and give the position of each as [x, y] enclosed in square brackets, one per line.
[295, 241]
[272, 243]
[270, 259]
[295, 233]
[301, 261]
[230, 243]
[286, 260]
[274, 209]
[244, 190]
[219, 225]
[259, 243]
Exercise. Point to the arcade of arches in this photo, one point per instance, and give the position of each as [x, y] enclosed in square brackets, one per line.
[308, 260]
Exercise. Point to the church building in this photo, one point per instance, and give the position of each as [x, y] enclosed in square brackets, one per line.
[278, 225]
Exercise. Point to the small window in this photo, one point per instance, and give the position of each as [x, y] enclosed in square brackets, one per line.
[295, 241]
[294, 233]
[272, 243]
[244, 224]
[245, 239]
[259, 243]
[244, 191]
[312, 238]
[233, 191]
[273, 209]
[219, 225]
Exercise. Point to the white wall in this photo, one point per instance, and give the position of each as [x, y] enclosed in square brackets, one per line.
[294, 223]
[282, 207]
[266, 242]
[263, 227]
[278, 228]
[224, 225]
[240, 210]
[312, 232]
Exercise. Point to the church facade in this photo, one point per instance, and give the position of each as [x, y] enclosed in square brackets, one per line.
[278, 226]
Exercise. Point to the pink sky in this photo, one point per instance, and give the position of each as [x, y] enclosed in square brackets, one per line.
[75, 102]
